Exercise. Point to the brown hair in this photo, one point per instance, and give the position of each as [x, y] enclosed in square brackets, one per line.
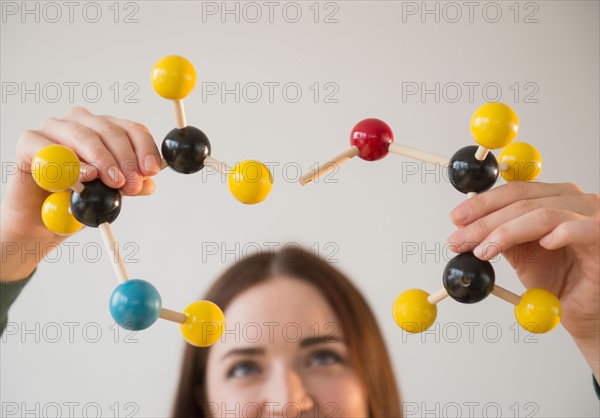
[365, 342]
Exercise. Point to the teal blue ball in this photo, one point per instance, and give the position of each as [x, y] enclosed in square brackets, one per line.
[135, 305]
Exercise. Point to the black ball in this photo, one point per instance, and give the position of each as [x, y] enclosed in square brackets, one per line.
[468, 279]
[185, 149]
[97, 203]
[468, 174]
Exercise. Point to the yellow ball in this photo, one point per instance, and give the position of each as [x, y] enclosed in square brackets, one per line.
[173, 77]
[538, 311]
[412, 312]
[523, 162]
[55, 168]
[494, 125]
[56, 214]
[204, 324]
[250, 182]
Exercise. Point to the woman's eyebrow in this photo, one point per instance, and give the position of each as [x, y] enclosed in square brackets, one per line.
[321, 340]
[244, 352]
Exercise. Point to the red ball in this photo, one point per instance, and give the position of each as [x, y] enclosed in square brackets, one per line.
[372, 137]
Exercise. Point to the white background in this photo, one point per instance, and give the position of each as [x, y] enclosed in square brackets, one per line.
[365, 221]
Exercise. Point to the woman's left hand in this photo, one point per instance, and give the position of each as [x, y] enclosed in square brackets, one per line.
[550, 234]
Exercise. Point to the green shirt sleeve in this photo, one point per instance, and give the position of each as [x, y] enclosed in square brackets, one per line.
[8, 294]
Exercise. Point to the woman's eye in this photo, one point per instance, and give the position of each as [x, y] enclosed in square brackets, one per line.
[324, 358]
[243, 369]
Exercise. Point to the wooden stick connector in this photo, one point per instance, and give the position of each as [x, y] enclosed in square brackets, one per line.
[481, 153]
[112, 248]
[506, 295]
[325, 168]
[179, 114]
[78, 187]
[163, 164]
[438, 296]
[216, 165]
[173, 316]
[418, 154]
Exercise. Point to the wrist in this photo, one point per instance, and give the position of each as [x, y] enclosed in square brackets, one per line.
[19, 257]
[23, 248]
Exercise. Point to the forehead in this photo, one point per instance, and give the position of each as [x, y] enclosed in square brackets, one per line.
[279, 310]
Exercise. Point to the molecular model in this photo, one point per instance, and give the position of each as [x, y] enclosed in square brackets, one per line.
[471, 170]
[136, 304]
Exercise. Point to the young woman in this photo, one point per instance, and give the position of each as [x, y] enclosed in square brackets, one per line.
[309, 352]
[344, 365]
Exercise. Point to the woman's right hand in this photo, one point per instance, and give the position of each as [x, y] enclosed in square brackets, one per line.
[119, 152]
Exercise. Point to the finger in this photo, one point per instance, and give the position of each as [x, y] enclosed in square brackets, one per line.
[529, 227]
[149, 159]
[577, 232]
[31, 142]
[148, 188]
[28, 196]
[116, 140]
[87, 145]
[502, 196]
[28, 145]
[467, 237]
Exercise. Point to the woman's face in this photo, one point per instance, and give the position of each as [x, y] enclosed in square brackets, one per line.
[282, 354]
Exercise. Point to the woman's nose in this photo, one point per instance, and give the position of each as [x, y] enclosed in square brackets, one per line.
[287, 394]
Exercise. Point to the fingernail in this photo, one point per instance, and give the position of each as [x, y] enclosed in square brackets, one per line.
[545, 241]
[485, 251]
[477, 252]
[115, 174]
[87, 171]
[457, 238]
[460, 214]
[150, 164]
